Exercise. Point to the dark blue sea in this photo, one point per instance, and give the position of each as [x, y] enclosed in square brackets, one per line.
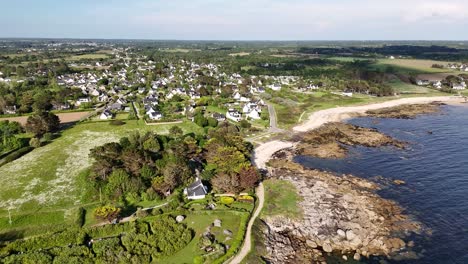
[435, 169]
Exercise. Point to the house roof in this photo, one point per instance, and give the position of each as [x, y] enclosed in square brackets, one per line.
[196, 189]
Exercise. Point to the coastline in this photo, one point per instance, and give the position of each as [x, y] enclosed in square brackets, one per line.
[386, 245]
[264, 151]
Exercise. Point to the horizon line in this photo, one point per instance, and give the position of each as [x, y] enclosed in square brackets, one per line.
[233, 40]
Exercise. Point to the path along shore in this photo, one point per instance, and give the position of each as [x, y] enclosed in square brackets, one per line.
[264, 151]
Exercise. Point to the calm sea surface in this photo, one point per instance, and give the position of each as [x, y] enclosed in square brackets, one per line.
[435, 169]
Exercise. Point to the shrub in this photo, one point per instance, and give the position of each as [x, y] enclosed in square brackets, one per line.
[141, 213]
[246, 198]
[15, 155]
[47, 137]
[107, 212]
[245, 124]
[156, 211]
[35, 142]
[227, 200]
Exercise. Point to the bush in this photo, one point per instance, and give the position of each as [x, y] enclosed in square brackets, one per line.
[107, 212]
[227, 200]
[245, 124]
[47, 137]
[246, 198]
[34, 142]
[15, 155]
[156, 211]
[141, 213]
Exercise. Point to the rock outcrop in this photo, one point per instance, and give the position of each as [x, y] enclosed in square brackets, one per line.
[341, 214]
[332, 140]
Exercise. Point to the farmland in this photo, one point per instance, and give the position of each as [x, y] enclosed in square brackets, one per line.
[64, 117]
[414, 65]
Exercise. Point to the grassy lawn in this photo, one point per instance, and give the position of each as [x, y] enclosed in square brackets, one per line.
[200, 223]
[281, 198]
[406, 88]
[47, 179]
[290, 106]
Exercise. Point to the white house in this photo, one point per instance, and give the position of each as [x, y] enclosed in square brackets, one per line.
[458, 86]
[83, 100]
[10, 110]
[422, 82]
[254, 114]
[105, 115]
[234, 115]
[196, 190]
[153, 114]
[275, 87]
[237, 96]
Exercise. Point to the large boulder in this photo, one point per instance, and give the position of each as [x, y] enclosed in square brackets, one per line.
[327, 247]
[180, 218]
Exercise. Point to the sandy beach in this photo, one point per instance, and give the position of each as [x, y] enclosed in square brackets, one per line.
[264, 151]
[338, 114]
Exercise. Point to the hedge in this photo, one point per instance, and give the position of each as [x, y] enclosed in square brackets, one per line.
[15, 155]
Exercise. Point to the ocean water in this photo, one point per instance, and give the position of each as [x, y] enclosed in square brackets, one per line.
[435, 169]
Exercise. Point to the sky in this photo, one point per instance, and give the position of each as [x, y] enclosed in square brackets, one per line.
[236, 19]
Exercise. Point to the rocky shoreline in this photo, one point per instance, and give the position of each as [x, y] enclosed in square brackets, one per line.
[333, 139]
[408, 111]
[341, 214]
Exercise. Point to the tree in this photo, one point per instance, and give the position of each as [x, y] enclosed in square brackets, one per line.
[245, 124]
[225, 182]
[176, 131]
[42, 102]
[212, 122]
[151, 144]
[248, 177]
[175, 174]
[227, 160]
[42, 123]
[200, 120]
[107, 212]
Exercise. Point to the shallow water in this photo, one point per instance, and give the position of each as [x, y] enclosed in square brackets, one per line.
[435, 169]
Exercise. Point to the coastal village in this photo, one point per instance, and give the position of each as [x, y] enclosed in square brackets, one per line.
[171, 155]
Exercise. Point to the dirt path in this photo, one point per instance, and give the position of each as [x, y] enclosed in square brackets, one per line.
[247, 245]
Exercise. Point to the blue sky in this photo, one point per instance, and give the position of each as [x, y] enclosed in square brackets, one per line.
[237, 19]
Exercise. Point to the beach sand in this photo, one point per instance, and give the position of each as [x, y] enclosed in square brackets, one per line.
[264, 151]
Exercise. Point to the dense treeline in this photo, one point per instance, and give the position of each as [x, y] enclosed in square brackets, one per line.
[416, 51]
[151, 166]
[8, 136]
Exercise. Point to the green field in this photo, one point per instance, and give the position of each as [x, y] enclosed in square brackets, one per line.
[281, 198]
[406, 88]
[291, 105]
[47, 180]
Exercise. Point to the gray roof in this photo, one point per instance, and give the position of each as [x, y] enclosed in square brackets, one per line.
[196, 189]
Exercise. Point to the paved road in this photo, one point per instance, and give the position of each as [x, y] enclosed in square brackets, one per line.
[273, 121]
[246, 246]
